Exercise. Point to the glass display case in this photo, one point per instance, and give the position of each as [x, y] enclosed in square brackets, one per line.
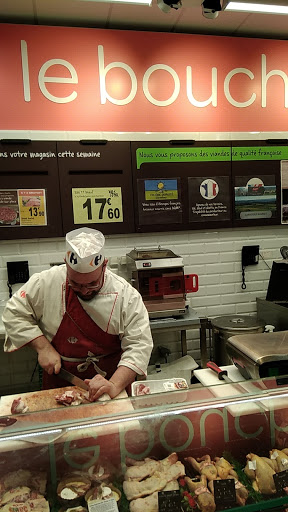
[206, 448]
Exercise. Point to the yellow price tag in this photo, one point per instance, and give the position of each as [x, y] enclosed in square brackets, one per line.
[97, 205]
[32, 207]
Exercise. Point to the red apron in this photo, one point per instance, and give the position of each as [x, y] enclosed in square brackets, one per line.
[79, 338]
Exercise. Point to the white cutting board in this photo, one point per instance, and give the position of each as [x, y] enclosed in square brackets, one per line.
[208, 377]
[222, 389]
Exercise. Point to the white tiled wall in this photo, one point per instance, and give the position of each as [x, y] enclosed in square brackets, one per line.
[214, 255]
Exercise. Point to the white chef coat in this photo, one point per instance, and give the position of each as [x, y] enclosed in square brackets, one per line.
[37, 309]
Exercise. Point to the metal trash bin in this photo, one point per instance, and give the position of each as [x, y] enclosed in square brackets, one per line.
[229, 325]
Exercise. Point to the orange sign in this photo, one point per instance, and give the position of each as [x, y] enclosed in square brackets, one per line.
[60, 78]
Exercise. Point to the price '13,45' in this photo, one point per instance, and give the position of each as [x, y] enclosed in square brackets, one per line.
[112, 213]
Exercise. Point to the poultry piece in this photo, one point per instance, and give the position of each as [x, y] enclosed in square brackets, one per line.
[134, 489]
[263, 474]
[203, 466]
[224, 468]
[203, 496]
[140, 472]
[241, 493]
[271, 462]
[150, 503]
[149, 466]
[281, 459]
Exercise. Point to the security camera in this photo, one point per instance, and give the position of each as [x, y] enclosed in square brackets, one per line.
[167, 5]
[211, 8]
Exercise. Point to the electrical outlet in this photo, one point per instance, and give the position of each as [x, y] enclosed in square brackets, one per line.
[18, 272]
[250, 255]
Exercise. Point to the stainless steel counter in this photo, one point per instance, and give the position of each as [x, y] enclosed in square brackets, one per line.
[181, 323]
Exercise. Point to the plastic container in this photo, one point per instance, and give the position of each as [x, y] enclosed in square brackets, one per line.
[158, 386]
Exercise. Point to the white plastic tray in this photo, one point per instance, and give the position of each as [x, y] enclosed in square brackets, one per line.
[160, 386]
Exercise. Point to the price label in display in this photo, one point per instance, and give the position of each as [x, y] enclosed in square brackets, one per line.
[32, 207]
[108, 505]
[169, 501]
[97, 205]
[281, 482]
[225, 493]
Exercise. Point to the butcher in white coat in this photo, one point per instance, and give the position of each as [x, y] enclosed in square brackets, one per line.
[83, 317]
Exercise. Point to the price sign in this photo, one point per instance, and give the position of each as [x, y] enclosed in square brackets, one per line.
[225, 493]
[281, 482]
[32, 207]
[97, 205]
[169, 501]
[108, 505]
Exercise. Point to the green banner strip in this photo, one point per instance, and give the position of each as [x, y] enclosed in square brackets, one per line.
[260, 153]
[156, 155]
[210, 154]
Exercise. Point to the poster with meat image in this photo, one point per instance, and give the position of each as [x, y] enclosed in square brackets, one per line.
[23, 207]
[9, 208]
[32, 204]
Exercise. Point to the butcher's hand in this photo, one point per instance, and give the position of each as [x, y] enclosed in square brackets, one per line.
[98, 386]
[120, 379]
[48, 357]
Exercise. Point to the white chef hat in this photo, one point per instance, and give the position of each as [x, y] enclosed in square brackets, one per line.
[84, 249]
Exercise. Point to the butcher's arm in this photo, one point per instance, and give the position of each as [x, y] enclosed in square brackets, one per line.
[48, 357]
[120, 379]
[136, 340]
[21, 316]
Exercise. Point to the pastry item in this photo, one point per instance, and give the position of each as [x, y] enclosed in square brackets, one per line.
[103, 492]
[72, 488]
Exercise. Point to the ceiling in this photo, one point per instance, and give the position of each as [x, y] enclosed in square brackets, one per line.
[188, 19]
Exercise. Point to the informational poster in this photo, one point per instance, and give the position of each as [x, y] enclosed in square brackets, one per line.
[255, 197]
[23, 207]
[284, 192]
[209, 199]
[97, 205]
[159, 201]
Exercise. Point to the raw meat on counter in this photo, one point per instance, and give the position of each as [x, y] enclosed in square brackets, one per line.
[141, 389]
[73, 397]
[19, 406]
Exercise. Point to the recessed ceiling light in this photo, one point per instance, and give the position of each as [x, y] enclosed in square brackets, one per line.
[136, 2]
[258, 8]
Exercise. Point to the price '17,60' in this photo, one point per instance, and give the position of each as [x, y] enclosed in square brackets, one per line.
[111, 212]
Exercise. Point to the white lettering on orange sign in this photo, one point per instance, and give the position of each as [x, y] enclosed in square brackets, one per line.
[103, 76]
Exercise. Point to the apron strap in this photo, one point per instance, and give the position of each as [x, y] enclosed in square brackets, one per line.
[85, 362]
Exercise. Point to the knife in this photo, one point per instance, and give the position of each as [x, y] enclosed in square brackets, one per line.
[222, 374]
[73, 379]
